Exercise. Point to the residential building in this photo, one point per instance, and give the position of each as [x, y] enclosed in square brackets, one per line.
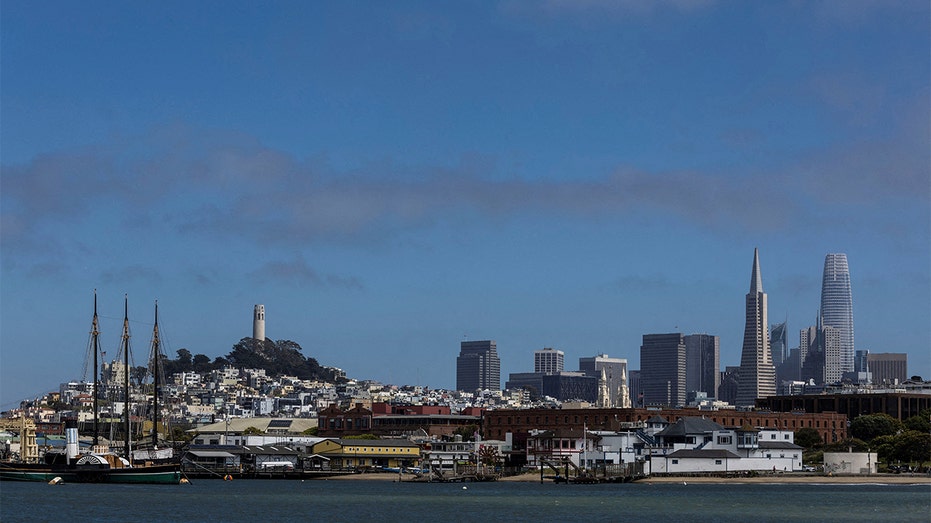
[757, 373]
[478, 366]
[837, 312]
[662, 369]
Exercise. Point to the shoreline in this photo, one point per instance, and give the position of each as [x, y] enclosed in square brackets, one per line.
[534, 477]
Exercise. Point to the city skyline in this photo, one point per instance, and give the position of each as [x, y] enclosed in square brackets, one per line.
[390, 179]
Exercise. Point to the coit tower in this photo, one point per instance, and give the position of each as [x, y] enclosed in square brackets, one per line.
[258, 322]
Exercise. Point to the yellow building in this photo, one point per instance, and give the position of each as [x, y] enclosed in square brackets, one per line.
[368, 453]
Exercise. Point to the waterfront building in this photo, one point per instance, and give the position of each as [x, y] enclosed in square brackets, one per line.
[549, 361]
[888, 368]
[615, 372]
[662, 369]
[757, 373]
[837, 312]
[258, 322]
[697, 444]
[702, 364]
[831, 426]
[478, 366]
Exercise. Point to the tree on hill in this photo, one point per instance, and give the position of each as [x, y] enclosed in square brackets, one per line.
[282, 357]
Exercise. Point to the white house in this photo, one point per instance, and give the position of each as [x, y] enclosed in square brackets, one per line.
[699, 445]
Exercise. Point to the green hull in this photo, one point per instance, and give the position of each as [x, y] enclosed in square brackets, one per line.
[162, 474]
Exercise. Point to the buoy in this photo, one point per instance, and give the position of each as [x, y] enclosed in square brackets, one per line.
[56, 481]
[465, 488]
[228, 477]
[184, 481]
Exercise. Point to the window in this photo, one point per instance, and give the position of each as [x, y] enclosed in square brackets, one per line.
[717, 462]
[724, 440]
[675, 462]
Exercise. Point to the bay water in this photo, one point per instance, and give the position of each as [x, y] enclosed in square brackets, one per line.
[256, 501]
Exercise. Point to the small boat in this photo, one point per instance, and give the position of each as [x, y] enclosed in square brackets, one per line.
[100, 467]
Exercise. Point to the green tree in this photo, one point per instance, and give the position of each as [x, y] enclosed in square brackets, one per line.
[858, 445]
[467, 432]
[912, 446]
[201, 364]
[884, 446]
[921, 422]
[252, 431]
[361, 436]
[869, 426]
[312, 431]
[807, 437]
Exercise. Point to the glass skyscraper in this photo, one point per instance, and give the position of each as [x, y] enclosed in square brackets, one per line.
[837, 311]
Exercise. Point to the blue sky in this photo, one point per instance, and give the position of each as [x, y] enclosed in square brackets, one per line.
[387, 178]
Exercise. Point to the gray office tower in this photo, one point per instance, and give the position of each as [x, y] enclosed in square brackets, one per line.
[478, 366]
[837, 312]
[615, 370]
[662, 370]
[779, 342]
[702, 364]
[757, 377]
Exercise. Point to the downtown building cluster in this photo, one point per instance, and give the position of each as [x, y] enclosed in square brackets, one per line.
[679, 370]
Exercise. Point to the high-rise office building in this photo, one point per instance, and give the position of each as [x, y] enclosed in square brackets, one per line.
[615, 373]
[548, 361]
[634, 390]
[811, 351]
[779, 342]
[860, 361]
[837, 312]
[702, 364]
[478, 366]
[887, 368]
[757, 373]
[831, 345]
[662, 369]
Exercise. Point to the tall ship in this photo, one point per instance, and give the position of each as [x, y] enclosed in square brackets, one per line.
[146, 464]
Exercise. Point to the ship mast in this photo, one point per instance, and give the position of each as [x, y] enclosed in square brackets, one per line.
[95, 333]
[155, 357]
[126, 377]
